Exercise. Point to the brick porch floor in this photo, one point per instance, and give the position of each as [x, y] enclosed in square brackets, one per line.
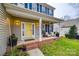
[36, 43]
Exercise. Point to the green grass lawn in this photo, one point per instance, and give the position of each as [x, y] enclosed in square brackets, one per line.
[61, 47]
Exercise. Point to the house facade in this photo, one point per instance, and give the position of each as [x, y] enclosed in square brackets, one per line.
[65, 26]
[26, 21]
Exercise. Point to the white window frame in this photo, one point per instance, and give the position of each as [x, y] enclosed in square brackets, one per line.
[44, 26]
[23, 37]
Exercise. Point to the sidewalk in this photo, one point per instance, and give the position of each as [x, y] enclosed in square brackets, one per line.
[35, 52]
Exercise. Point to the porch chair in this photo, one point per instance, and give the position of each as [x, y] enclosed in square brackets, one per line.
[52, 34]
[47, 34]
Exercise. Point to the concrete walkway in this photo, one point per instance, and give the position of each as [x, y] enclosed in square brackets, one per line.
[35, 52]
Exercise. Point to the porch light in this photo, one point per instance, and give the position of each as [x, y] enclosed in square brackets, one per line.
[17, 22]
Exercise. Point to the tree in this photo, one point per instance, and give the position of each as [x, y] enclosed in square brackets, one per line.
[73, 32]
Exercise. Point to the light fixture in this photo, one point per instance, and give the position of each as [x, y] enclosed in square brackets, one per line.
[17, 22]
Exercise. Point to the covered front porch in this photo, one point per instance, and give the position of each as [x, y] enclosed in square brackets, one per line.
[29, 29]
[32, 24]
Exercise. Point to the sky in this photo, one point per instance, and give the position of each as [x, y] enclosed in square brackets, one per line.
[63, 9]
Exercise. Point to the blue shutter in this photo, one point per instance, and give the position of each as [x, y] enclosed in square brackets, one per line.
[15, 3]
[26, 5]
[46, 30]
[52, 27]
[40, 8]
[45, 10]
[52, 13]
[37, 7]
[30, 5]
[48, 11]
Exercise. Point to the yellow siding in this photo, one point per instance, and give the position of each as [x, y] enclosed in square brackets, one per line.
[36, 24]
[28, 32]
[14, 20]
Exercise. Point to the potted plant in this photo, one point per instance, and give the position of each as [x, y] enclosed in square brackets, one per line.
[57, 34]
[77, 36]
[12, 40]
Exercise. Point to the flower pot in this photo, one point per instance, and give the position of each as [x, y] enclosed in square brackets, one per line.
[57, 35]
[12, 42]
[77, 37]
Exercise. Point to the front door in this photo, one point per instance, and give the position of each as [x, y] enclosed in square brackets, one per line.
[27, 30]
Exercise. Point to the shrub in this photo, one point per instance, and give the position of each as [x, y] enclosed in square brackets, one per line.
[67, 35]
[77, 37]
[72, 32]
[16, 52]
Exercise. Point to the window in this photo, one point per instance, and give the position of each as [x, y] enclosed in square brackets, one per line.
[34, 6]
[38, 7]
[30, 5]
[26, 5]
[43, 27]
[51, 27]
[51, 12]
[43, 9]
[46, 10]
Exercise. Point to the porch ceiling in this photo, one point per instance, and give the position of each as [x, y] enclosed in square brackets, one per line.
[25, 13]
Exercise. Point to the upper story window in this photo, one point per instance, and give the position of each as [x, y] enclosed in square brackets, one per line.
[51, 12]
[30, 5]
[47, 10]
[34, 6]
[43, 9]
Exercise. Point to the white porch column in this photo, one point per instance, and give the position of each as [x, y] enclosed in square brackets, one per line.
[40, 29]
